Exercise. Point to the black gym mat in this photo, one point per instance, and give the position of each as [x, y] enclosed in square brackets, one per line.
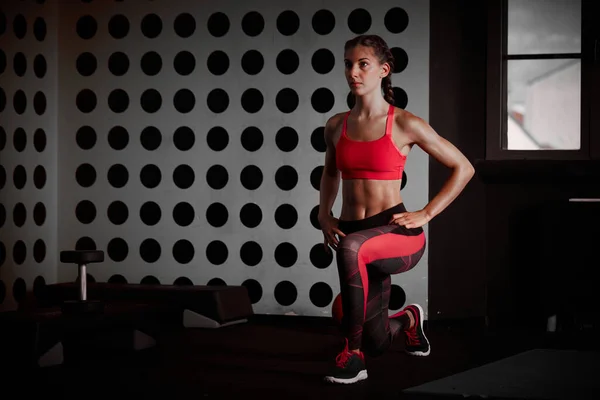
[536, 374]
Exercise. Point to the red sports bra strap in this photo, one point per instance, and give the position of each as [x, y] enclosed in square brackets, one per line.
[390, 121]
[345, 125]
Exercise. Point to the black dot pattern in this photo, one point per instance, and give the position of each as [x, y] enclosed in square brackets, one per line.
[252, 62]
[359, 21]
[27, 146]
[118, 64]
[180, 155]
[323, 22]
[287, 61]
[396, 20]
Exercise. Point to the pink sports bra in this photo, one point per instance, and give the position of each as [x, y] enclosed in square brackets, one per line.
[378, 159]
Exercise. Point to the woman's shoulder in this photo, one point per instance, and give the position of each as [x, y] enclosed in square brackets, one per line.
[405, 119]
[335, 119]
[334, 122]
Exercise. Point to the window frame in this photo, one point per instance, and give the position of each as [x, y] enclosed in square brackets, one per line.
[496, 88]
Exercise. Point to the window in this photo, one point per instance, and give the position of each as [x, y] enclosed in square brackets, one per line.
[540, 75]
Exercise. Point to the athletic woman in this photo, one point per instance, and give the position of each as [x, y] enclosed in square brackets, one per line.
[375, 235]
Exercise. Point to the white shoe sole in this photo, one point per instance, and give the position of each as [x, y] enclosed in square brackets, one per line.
[362, 375]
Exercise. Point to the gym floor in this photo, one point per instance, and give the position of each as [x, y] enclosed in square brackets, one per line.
[278, 357]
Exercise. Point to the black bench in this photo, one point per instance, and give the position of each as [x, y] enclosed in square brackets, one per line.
[73, 320]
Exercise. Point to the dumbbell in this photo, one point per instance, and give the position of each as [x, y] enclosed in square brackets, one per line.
[82, 258]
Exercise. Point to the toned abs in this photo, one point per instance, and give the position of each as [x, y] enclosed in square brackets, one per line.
[362, 198]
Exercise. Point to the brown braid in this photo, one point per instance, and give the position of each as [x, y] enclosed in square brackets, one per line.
[384, 55]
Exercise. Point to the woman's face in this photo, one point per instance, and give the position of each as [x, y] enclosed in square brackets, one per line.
[363, 71]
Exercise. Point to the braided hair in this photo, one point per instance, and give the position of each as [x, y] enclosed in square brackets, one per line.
[383, 53]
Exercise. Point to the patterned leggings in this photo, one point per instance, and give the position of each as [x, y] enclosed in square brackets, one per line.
[370, 252]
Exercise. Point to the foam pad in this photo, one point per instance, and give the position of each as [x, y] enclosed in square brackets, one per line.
[82, 256]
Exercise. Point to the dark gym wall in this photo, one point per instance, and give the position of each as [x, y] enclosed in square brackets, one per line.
[457, 112]
[488, 254]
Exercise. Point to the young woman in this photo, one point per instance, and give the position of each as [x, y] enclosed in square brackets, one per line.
[375, 236]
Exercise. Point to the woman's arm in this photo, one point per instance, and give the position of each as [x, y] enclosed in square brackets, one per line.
[447, 154]
[423, 135]
[330, 180]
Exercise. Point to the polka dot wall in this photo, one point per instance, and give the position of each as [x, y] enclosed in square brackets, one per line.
[189, 142]
[28, 172]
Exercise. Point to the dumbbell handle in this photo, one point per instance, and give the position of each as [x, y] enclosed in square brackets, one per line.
[82, 282]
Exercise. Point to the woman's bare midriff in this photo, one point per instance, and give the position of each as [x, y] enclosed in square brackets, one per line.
[362, 198]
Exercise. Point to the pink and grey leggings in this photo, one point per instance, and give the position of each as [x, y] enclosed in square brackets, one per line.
[371, 251]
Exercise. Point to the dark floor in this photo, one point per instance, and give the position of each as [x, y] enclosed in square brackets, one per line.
[280, 357]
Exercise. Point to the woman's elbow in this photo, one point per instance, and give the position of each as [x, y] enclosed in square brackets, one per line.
[465, 170]
[468, 170]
